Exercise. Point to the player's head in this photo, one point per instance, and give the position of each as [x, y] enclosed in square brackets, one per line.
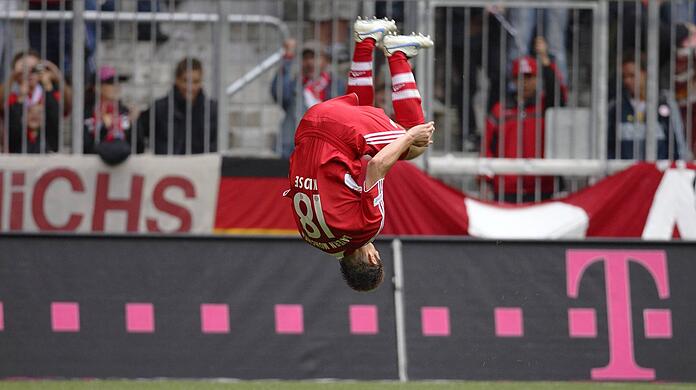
[362, 269]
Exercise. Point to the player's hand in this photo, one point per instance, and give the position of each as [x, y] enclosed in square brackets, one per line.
[422, 134]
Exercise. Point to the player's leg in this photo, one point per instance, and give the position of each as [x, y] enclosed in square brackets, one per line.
[406, 99]
[360, 74]
[367, 33]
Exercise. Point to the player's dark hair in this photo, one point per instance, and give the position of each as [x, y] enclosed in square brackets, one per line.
[361, 276]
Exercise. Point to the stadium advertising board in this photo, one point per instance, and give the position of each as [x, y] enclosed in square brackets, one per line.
[550, 311]
[146, 194]
[188, 308]
[248, 308]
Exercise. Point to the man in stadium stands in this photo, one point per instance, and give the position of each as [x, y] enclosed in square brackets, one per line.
[318, 85]
[108, 122]
[333, 212]
[34, 91]
[191, 128]
[627, 141]
[516, 130]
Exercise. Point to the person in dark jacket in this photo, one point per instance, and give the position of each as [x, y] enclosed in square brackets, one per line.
[516, 130]
[108, 126]
[627, 118]
[184, 130]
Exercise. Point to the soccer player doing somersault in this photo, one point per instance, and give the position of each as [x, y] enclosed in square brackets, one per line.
[333, 211]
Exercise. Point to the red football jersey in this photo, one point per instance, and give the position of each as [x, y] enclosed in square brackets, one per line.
[332, 210]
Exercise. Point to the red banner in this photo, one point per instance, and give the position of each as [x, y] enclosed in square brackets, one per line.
[644, 201]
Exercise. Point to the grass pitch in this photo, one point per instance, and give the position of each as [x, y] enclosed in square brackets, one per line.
[342, 385]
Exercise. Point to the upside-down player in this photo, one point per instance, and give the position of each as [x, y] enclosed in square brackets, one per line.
[335, 213]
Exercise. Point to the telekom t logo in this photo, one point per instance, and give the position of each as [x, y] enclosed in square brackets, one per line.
[622, 364]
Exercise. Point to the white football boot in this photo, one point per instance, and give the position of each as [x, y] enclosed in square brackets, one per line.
[373, 28]
[407, 44]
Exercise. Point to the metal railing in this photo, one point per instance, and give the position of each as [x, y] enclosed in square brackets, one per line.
[582, 126]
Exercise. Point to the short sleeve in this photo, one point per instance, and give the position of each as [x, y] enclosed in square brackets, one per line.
[372, 202]
[377, 130]
[376, 141]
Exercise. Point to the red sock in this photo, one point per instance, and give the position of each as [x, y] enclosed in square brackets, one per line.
[405, 96]
[360, 75]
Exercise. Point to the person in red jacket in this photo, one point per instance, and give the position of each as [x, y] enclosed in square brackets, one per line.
[516, 130]
[334, 209]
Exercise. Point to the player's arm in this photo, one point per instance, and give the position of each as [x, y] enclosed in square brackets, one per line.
[415, 151]
[419, 136]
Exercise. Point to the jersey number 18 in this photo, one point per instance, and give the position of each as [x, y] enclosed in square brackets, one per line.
[307, 216]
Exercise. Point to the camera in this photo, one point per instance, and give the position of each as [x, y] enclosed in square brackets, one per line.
[38, 68]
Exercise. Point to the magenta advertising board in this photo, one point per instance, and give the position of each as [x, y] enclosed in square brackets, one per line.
[254, 308]
[185, 307]
[550, 311]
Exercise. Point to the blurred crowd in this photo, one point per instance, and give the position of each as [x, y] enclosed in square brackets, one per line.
[37, 94]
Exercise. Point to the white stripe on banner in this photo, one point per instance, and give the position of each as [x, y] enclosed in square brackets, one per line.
[402, 78]
[382, 133]
[406, 94]
[361, 66]
[360, 81]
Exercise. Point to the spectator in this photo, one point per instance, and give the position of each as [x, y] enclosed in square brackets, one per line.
[190, 134]
[34, 87]
[318, 84]
[553, 23]
[108, 122]
[627, 141]
[521, 112]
